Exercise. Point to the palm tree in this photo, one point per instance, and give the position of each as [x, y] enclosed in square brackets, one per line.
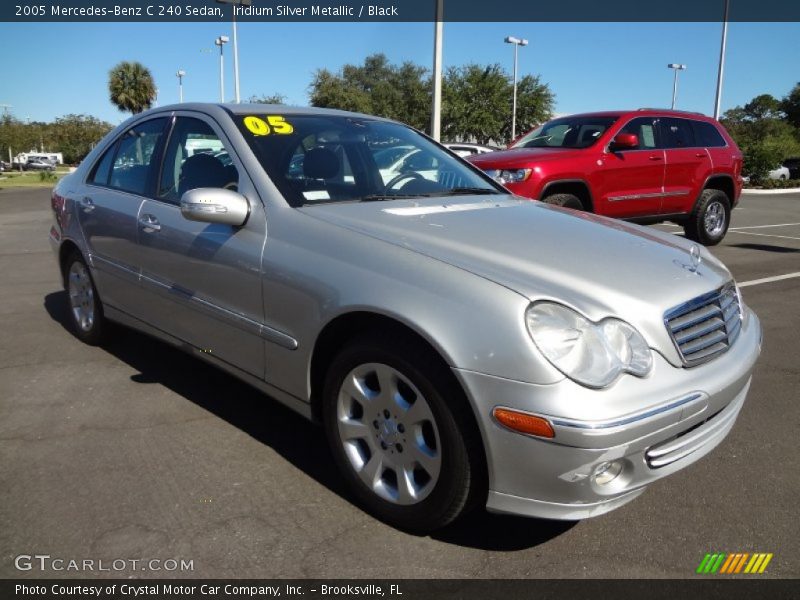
[131, 87]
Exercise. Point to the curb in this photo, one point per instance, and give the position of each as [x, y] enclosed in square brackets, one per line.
[768, 192]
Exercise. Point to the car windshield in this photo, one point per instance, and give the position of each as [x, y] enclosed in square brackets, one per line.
[568, 132]
[320, 158]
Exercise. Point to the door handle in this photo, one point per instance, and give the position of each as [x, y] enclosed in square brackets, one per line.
[149, 223]
[701, 155]
[87, 204]
[655, 158]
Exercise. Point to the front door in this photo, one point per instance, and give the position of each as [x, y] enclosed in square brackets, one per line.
[631, 180]
[204, 280]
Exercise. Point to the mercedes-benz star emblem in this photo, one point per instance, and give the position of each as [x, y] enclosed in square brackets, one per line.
[696, 259]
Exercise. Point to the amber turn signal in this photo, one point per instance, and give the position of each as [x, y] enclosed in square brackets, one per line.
[524, 423]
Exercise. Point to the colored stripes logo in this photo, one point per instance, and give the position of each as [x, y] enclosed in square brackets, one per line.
[730, 564]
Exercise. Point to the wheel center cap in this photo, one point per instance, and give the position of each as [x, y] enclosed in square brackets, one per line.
[388, 432]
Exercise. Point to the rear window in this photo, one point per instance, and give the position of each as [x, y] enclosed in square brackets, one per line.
[707, 135]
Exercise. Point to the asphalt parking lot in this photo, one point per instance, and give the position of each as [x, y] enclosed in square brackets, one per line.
[138, 451]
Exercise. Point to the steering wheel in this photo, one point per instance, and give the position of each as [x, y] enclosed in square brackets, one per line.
[397, 178]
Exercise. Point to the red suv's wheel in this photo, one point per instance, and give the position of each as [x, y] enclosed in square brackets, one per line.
[565, 200]
[709, 221]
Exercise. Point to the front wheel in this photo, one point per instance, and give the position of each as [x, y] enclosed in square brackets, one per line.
[409, 456]
[710, 219]
[565, 200]
[85, 309]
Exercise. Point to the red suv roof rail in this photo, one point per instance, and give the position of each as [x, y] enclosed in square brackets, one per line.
[674, 110]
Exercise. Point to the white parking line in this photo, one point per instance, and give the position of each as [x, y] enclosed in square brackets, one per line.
[769, 279]
[786, 237]
[763, 226]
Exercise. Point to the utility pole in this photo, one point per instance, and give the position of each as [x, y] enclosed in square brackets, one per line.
[436, 113]
[517, 43]
[675, 67]
[221, 41]
[720, 72]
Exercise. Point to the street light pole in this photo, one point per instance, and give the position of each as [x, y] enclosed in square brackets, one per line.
[718, 98]
[236, 3]
[675, 67]
[517, 42]
[180, 75]
[436, 113]
[221, 41]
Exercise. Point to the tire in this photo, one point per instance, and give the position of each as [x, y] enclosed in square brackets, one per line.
[401, 434]
[710, 219]
[565, 200]
[85, 308]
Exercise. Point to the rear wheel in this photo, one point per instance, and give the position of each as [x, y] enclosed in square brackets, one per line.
[85, 309]
[397, 428]
[565, 200]
[710, 219]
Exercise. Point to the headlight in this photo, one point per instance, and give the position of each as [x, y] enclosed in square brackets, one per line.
[591, 354]
[509, 175]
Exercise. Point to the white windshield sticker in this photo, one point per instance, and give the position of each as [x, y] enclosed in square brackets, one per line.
[413, 211]
[317, 195]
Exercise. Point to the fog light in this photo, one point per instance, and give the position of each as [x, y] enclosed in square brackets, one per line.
[606, 472]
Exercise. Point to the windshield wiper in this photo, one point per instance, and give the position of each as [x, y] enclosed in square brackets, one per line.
[459, 191]
[377, 197]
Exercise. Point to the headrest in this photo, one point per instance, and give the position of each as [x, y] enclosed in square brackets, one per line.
[320, 163]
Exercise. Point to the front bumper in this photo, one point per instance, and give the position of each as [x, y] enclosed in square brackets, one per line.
[681, 415]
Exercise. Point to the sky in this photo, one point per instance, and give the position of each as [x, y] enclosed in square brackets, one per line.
[54, 69]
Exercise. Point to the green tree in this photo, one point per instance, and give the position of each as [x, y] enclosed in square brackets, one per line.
[75, 135]
[477, 103]
[790, 105]
[474, 103]
[131, 87]
[377, 87]
[17, 136]
[763, 132]
[267, 99]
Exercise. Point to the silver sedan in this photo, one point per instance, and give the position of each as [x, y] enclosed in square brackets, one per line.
[460, 346]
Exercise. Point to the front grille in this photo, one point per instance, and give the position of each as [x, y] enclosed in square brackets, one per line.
[707, 326]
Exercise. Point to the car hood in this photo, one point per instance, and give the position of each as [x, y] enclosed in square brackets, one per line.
[520, 156]
[597, 265]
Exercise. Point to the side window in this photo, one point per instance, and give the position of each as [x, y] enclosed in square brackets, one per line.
[644, 129]
[135, 150]
[677, 133]
[195, 158]
[103, 167]
[707, 135]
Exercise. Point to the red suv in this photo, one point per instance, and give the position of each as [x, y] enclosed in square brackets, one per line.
[645, 165]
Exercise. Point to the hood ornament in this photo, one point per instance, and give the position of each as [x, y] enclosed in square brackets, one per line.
[694, 253]
[694, 260]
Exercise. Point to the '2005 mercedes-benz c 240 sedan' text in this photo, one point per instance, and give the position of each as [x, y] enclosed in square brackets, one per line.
[461, 346]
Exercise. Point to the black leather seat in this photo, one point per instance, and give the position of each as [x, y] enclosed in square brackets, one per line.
[203, 171]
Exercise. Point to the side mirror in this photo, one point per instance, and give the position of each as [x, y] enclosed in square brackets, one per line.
[625, 141]
[215, 205]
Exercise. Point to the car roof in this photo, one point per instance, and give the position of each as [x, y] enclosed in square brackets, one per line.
[250, 109]
[641, 112]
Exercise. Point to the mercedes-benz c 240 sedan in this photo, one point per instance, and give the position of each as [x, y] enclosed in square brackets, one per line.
[461, 346]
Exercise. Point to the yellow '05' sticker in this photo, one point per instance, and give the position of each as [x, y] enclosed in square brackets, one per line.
[273, 124]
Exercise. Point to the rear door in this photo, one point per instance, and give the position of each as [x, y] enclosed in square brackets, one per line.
[108, 205]
[203, 281]
[630, 181]
[688, 164]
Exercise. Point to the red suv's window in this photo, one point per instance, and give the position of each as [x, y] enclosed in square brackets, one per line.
[677, 133]
[707, 135]
[569, 132]
[644, 129]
